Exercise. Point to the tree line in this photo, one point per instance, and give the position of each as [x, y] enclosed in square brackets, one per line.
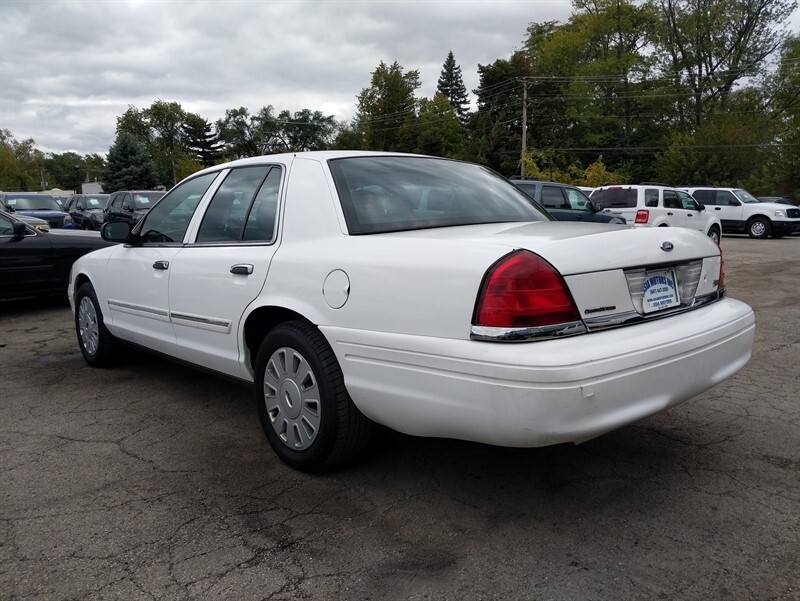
[679, 91]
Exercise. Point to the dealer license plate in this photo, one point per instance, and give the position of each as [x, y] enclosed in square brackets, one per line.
[660, 291]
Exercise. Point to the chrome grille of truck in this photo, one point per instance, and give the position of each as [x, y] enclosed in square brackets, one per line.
[686, 274]
[794, 213]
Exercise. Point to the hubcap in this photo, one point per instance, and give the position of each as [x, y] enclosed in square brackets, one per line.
[291, 398]
[757, 228]
[88, 329]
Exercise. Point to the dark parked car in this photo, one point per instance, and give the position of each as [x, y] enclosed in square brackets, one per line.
[565, 202]
[42, 206]
[37, 263]
[131, 205]
[87, 210]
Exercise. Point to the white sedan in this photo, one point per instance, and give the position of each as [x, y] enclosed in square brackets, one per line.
[424, 294]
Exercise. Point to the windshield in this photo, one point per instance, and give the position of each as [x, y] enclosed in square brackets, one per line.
[32, 202]
[392, 193]
[96, 202]
[745, 196]
[145, 200]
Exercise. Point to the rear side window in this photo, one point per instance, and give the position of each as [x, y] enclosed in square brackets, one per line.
[393, 193]
[616, 197]
[704, 196]
[553, 197]
[725, 198]
[651, 197]
[671, 200]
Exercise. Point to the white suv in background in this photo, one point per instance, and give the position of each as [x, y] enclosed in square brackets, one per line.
[655, 205]
[740, 212]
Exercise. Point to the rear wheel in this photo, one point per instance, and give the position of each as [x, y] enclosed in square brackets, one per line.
[759, 228]
[713, 233]
[95, 341]
[306, 413]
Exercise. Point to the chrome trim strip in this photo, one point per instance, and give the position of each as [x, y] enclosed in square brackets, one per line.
[589, 325]
[221, 323]
[492, 334]
[143, 309]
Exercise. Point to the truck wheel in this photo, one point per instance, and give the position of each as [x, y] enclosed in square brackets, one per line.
[97, 345]
[759, 227]
[713, 233]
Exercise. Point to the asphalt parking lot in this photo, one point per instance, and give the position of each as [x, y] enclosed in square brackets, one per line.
[154, 481]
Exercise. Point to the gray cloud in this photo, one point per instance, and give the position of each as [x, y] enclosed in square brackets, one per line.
[69, 68]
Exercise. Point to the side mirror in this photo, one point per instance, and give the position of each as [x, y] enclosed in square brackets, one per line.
[598, 206]
[116, 231]
[701, 206]
[19, 229]
[128, 208]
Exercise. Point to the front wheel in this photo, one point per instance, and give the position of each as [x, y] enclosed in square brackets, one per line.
[306, 413]
[759, 228]
[713, 233]
[95, 341]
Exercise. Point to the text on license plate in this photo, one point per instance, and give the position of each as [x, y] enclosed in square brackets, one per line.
[659, 290]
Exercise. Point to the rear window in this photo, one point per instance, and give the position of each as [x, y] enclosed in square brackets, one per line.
[391, 194]
[32, 202]
[615, 197]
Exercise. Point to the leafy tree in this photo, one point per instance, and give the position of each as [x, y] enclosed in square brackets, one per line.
[201, 141]
[247, 136]
[451, 85]
[386, 110]
[128, 167]
[439, 132]
[707, 47]
[305, 130]
[65, 170]
[19, 164]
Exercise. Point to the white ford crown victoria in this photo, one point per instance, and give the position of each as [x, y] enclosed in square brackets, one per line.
[424, 294]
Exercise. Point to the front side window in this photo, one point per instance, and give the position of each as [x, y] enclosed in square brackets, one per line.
[578, 200]
[688, 203]
[6, 226]
[382, 194]
[726, 198]
[168, 221]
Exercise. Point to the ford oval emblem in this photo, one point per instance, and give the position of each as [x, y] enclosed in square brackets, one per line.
[667, 246]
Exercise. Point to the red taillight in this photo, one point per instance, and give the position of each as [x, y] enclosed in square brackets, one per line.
[523, 290]
[642, 215]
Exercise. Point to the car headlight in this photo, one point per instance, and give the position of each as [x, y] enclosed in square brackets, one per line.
[41, 227]
[780, 213]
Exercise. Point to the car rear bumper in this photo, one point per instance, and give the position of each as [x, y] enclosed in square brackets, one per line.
[542, 393]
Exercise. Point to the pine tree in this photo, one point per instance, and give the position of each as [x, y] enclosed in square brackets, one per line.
[451, 84]
[128, 166]
[201, 141]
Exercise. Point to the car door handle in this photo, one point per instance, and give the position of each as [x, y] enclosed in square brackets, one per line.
[163, 265]
[668, 213]
[717, 209]
[242, 269]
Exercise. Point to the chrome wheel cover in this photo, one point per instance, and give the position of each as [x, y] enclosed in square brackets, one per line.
[757, 228]
[88, 328]
[714, 236]
[291, 398]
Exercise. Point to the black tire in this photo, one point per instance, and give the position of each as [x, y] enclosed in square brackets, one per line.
[306, 413]
[759, 228]
[714, 234]
[97, 345]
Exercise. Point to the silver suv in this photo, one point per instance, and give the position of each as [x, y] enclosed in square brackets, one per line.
[740, 212]
[655, 205]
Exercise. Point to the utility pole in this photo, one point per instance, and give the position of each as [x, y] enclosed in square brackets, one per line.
[524, 127]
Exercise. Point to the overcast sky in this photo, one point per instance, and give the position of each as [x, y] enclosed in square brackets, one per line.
[68, 69]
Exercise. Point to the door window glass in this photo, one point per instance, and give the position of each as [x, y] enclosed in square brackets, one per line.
[671, 200]
[651, 197]
[552, 197]
[6, 226]
[688, 203]
[705, 196]
[168, 221]
[225, 218]
[577, 200]
[726, 198]
[262, 218]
